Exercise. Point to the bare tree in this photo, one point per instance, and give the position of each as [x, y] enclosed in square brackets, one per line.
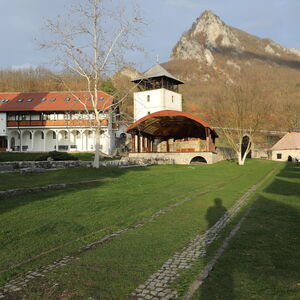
[93, 42]
[239, 111]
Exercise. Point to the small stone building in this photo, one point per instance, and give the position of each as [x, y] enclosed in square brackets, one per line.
[288, 148]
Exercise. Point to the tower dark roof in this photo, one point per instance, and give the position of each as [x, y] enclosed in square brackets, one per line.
[157, 71]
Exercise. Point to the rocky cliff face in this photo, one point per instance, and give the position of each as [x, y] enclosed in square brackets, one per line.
[210, 35]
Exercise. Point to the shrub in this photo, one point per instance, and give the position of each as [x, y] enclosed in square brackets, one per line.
[55, 155]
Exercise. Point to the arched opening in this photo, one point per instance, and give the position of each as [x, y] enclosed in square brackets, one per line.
[13, 143]
[245, 143]
[51, 140]
[198, 160]
[290, 158]
[26, 141]
[63, 140]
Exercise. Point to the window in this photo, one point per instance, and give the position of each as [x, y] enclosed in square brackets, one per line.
[172, 99]
[279, 156]
[65, 135]
[53, 135]
[20, 100]
[67, 99]
[29, 100]
[76, 99]
[149, 112]
[42, 135]
[52, 100]
[30, 135]
[43, 99]
[23, 117]
[148, 98]
[101, 98]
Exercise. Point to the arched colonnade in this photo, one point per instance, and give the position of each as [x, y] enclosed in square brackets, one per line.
[44, 140]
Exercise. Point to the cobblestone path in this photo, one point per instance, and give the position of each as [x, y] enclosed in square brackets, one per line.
[157, 286]
[22, 280]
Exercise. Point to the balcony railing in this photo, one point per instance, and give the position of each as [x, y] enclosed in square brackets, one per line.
[49, 123]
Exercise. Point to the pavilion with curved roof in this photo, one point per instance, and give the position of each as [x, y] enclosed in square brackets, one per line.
[172, 134]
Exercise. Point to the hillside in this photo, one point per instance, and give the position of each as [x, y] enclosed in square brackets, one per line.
[212, 54]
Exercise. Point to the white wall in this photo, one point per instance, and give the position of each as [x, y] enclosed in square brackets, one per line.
[160, 99]
[2, 124]
[285, 154]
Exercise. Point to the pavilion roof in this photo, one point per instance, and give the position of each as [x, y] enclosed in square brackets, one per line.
[171, 124]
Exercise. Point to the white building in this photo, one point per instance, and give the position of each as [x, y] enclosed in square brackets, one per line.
[287, 148]
[49, 121]
[158, 91]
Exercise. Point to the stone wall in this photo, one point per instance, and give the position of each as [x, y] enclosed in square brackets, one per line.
[19, 165]
[181, 158]
[224, 153]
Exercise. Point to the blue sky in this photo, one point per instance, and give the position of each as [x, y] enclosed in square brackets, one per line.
[22, 22]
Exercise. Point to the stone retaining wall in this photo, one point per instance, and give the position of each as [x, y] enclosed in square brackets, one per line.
[181, 158]
[18, 165]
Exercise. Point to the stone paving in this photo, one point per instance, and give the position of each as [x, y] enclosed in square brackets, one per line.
[157, 286]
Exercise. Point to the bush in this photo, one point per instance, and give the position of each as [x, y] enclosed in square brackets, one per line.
[55, 155]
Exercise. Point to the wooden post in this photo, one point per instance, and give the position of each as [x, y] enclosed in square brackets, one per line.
[133, 143]
[143, 144]
[168, 146]
[139, 144]
[207, 139]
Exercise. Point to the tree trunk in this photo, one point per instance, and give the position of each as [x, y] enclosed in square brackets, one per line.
[241, 160]
[96, 162]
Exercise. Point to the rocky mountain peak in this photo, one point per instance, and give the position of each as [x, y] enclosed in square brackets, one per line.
[207, 35]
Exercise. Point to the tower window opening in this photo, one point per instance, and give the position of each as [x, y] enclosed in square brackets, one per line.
[148, 98]
[172, 99]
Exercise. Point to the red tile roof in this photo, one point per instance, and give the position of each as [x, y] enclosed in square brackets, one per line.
[48, 104]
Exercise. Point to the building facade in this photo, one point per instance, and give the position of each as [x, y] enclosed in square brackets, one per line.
[287, 148]
[42, 122]
[158, 90]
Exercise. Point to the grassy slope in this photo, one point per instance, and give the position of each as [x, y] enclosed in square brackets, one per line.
[129, 259]
[263, 260]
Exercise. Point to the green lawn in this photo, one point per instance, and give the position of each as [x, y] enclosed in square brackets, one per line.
[32, 224]
[263, 260]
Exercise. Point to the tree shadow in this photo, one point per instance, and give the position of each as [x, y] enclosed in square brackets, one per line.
[283, 187]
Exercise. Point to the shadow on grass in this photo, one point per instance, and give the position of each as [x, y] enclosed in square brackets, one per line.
[262, 261]
[11, 203]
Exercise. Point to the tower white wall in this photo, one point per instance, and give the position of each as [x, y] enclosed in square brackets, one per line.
[148, 102]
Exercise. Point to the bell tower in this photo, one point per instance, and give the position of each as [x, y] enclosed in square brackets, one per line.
[158, 90]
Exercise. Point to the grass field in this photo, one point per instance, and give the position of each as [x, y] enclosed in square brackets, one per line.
[66, 220]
